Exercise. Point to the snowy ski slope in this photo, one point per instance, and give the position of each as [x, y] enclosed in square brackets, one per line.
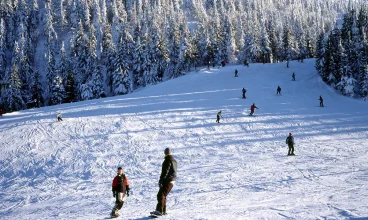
[237, 169]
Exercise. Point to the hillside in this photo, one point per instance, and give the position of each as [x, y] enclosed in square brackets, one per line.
[237, 169]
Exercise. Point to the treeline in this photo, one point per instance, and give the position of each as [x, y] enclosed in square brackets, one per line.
[342, 54]
[57, 51]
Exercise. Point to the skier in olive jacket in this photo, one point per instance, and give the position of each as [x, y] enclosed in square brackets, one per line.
[166, 183]
[120, 190]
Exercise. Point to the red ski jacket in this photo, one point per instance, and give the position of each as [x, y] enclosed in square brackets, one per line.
[253, 107]
[120, 184]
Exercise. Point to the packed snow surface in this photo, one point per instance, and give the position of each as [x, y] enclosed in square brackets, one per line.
[237, 169]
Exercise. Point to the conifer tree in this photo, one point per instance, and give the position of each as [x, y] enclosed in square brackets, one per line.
[57, 91]
[37, 90]
[14, 100]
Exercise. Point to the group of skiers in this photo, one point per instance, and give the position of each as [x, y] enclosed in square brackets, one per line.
[290, 138]
[121, 189]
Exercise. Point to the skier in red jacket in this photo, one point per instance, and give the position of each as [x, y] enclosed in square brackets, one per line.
[252, 109]
[120, 190]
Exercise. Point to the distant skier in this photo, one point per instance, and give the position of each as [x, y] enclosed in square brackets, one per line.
[120, 190]
[236, 73]
[166, 183]
[246, 63]
[290, 143]
[59, 117]
[1, 112]
[293, 76]
[320, 101]
[252, 108]
[278, 90]
[244, 91]
[218, 117]
[287, 64]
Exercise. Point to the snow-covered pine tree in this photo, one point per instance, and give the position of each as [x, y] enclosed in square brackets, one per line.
[121, 82]
[51, 70]
[37, 90]
[80, 53]
[288, 43]
[137, 55]
[338, 57]
[230, 42]
[13, 94]
[108, 55]
[34, 21]
[328, 62]
[159, 55]
[363, 84]
[64, 66]
[266, 52]
[95, 78]
[347, 85]
[175, 67]
[70, 91]
[85, 91]
[2, 50]
[363, 66]
[57, 91]
[320, 53]
[271, 32]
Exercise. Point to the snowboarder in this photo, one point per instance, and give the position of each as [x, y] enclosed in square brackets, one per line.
[252, 109]
[166, 183]
[218, 117]
[236, 73]
[244, 91]
[320, 101]
[293, 76]
[278, 90]
[120, 190]
[59, 117]
[290, 143]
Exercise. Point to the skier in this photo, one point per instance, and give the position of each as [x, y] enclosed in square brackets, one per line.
[278, 90]
[293, 76]
[287, 64]
[218, 117]
[59, 117]
[252, 109]
[120, 190]
[236, 73]
[290, 143]
[246, 63]
[1, 112]
[244, 91]
[321, 101]
[166, 183]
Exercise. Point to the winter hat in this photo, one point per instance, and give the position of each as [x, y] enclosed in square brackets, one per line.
[290, 133]
[119, 168]
[167, 151]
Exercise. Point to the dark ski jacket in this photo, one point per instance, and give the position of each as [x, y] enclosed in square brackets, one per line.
[244, 91]
[320, 99]
[120, 184]
[169, 168]
[253, 107]
[290, 140]
[279, 89]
